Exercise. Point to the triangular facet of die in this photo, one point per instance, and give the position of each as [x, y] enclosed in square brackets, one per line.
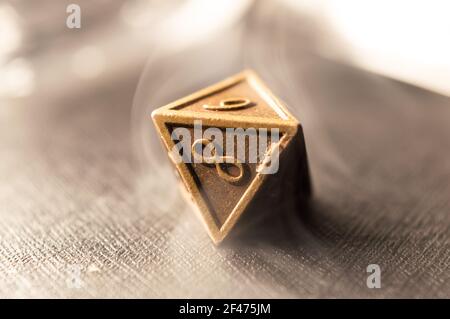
[219, 197]
[217, 191]
[243, 95]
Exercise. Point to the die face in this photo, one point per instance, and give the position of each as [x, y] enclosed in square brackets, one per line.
[243, 88]
[222, 185]
[220, 193]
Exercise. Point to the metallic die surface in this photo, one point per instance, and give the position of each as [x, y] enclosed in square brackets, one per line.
[219, 195]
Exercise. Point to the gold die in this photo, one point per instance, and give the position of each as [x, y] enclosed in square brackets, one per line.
[223, 187]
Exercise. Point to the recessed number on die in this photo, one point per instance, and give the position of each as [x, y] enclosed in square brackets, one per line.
[229, 104]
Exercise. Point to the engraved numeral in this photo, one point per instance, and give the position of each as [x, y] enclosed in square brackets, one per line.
[218, 161]
[229, 104]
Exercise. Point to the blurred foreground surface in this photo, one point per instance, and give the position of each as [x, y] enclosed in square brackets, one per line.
[77, 220]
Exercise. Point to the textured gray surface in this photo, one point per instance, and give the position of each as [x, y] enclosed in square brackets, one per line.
[74, 191]
[69, 196]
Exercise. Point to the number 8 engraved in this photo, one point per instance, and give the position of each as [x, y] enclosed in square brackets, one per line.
[217, 161]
